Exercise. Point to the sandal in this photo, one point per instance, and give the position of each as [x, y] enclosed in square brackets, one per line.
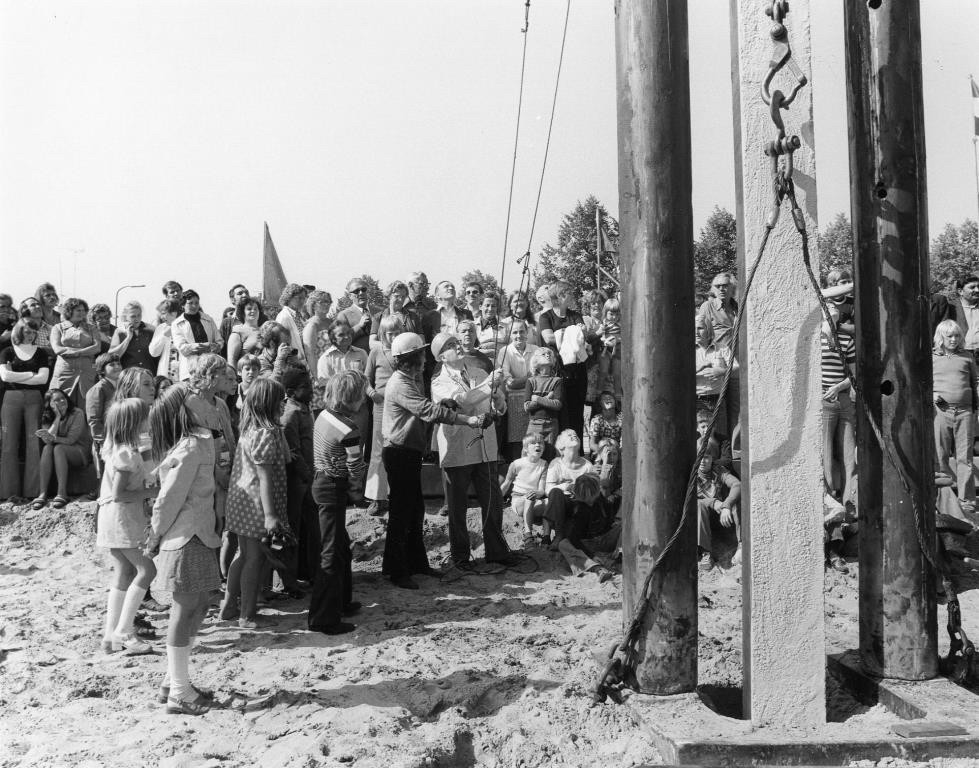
[198, 706]
[60, 502]
[146, 633]
[39, 503]
[132, 645]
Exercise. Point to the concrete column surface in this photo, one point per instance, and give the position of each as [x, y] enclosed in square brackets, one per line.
[784, 656]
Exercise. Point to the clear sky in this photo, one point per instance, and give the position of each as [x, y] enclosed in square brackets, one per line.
[142, 141]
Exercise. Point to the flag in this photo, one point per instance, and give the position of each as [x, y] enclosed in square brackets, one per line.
[273, 278]
[975, 107]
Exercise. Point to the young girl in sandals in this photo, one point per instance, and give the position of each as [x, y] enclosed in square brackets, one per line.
[122, 523]
[256, 506]
[183, 538]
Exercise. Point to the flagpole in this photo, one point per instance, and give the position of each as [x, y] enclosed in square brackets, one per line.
[598, 248]
[975, 136]
[975, 160]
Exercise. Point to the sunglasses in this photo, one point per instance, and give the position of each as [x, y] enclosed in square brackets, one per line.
[359, 290]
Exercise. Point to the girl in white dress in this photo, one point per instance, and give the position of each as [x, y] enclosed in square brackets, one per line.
[122, 522]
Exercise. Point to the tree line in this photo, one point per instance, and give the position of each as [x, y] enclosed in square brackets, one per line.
[953, 252]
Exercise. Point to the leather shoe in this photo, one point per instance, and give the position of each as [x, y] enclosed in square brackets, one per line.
[340, 628]
[405, 582]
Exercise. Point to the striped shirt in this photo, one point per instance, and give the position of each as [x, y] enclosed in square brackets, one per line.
[333, 433]
[833, 359]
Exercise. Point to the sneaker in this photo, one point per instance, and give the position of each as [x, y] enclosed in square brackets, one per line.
[444, 511]
[837, 563]
[604, 574]
[705, 562]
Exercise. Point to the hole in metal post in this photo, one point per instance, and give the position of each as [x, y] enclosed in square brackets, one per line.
[887, 387]
[873, 4]
[880, 189]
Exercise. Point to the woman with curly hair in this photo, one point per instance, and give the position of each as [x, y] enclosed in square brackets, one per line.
[290, 316]
[396, 295]
[100, 318]
[315, 333]
[519, 306]
[274, 350]
[194, 333]
[75, 343]
[249, 318]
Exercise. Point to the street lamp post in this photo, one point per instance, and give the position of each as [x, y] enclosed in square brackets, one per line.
[116, 316]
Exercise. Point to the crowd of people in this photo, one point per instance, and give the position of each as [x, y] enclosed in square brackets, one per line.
[229, 452]
[225, 454]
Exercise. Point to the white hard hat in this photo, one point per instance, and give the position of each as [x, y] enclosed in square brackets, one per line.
[405, 343]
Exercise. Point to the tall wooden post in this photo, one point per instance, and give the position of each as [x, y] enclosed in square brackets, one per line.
[656, 242]
[889, 208]
[782, 487]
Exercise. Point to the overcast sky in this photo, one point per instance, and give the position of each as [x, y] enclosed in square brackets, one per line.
[144, 141]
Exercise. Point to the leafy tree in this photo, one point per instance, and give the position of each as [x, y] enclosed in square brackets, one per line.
[573, 259]
[955, 252]
[374, 293]
[485, 279]
[716, 250]
[835, 244]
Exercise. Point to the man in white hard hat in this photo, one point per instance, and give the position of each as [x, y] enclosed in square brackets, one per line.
[403, 431]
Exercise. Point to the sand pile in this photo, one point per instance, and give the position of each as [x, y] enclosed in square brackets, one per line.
[486, 670]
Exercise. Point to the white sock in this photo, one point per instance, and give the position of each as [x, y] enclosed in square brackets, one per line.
[134, 596]
[178, 668]
[113, 609]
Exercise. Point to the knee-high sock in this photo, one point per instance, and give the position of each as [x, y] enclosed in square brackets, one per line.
[134, 596]
[178, 668]
[114, 603]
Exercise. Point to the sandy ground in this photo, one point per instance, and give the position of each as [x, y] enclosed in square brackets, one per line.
[486, 670]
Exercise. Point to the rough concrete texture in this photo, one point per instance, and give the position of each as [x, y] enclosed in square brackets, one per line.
[783, 560]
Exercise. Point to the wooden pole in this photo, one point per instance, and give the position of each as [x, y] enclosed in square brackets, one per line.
[889, 209]
[656, 247]
[781, 472]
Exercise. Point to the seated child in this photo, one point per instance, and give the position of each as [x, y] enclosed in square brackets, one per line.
[561, 474]
[590, 530]
[525, 480]
[545, 394]
[718, 493]
[609, 471]
[607, 424]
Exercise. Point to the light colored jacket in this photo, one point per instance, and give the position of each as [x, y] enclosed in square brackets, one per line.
[183, 337]
[185, 506]
[455, 442]
[160, 347]
[287, 320]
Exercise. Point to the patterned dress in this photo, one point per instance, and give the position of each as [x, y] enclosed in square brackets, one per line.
[260, 446]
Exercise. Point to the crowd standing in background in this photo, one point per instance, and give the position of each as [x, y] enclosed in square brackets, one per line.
[225, 453]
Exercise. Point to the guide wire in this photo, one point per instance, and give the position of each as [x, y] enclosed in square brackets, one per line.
[525, 258]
